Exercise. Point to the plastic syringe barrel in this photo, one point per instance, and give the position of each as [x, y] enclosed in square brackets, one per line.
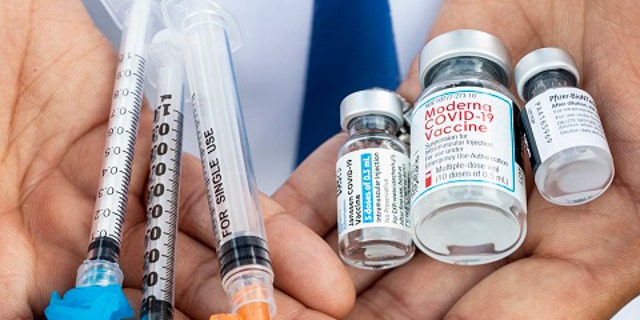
[111, 199]
[224, 150]
[98, 293]
[237, 219]
[166, 72]
[233, 198]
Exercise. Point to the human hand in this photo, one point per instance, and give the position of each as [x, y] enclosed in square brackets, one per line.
[577, 262]
[57, 76]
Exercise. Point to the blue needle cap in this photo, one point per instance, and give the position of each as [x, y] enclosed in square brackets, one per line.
[94, 302]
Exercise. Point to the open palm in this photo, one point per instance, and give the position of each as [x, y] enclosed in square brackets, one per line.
[57, 75]
[577, 262]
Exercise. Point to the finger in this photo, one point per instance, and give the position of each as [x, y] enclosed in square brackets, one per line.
[16, 281]
[611, 75]
[422, 281]
[519, 33]
[410, 87]
[584, 257]
[304, 269]
[198, 287]
[362, 279]
[597, 234]
[58, 73]
[134, 296]
[83, 160]
[555, 288]
[421, 289]
[198, 290]
[309, 194]
[304, 195]
[179, 315]
[365, 280]
[291, 309]
[304, 266]
[195, 216]
[307, 269]
[516, 30]
[57, 237]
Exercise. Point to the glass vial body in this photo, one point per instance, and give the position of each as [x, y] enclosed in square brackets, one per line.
[568, 150]
[372, 174]
[468, 195]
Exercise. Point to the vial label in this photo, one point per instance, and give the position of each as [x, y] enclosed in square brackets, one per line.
[466, 136]
[561, 118]
[373, 190]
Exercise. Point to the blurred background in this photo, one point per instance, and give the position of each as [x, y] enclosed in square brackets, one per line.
[276, 34]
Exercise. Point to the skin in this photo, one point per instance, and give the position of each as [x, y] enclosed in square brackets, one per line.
[57, 80]
[577, 262]
[57, 70]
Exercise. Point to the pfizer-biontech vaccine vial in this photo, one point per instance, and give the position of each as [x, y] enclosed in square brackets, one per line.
[372, 174]
[568, 150]
[468, 196]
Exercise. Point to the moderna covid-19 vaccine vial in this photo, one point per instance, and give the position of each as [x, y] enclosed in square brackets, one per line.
[372, 175]
[468, 203]
[568, 149]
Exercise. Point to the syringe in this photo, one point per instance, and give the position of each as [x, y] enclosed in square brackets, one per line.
[98, 293]
[166, 73]
[241, 244]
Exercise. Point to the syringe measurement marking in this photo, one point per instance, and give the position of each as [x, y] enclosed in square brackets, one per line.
[162, 203]
[119, 151]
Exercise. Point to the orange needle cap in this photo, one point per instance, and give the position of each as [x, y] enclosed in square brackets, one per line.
[255, 311]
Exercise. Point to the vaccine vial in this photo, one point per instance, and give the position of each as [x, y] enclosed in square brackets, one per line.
[568, 149]
[468, 196]
[372, 175]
